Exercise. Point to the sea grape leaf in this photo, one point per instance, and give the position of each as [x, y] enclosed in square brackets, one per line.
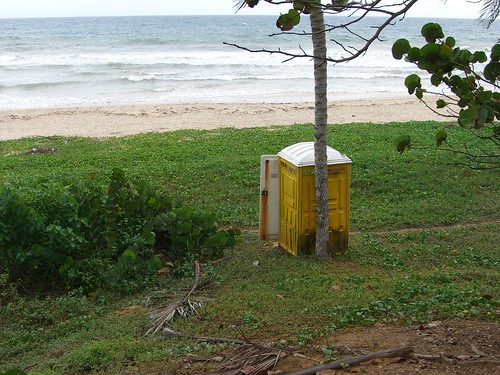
[492, 71]
[468, 117]
[402, 142]
[413, 54]
[495, 52]
[484, 96]
[440, 103]
[432, 31]
[156, 263]
[436, 80]
[129, 253]
[400, 48]
[441, 137]
[445, 51]
[294, 16]
[412, 82]
[480, 56]
[430, 51]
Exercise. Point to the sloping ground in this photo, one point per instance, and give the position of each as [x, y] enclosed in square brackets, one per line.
[465, 346]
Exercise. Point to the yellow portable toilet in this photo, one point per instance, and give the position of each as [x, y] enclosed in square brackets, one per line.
[297, 198]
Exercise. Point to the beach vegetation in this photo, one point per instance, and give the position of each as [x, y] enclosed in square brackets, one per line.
[468, 83]
[78, 234]
[421, 249]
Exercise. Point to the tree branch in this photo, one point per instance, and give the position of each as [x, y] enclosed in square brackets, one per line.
[341, 363]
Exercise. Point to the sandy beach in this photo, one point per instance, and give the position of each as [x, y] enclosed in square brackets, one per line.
[111, 121]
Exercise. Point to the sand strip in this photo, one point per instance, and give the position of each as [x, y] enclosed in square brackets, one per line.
[112, 121]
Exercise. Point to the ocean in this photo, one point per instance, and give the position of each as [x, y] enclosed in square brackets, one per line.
[61, 62]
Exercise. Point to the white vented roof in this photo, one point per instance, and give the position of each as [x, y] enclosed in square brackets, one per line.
[302, 154]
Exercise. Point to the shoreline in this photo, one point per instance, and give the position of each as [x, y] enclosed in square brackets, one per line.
[121, 120]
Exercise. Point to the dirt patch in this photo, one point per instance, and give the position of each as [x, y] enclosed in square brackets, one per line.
[463, 347]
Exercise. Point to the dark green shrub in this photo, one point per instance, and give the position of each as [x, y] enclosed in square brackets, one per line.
[80, 234]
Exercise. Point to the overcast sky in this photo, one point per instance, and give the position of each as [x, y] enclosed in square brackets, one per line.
[76, 8]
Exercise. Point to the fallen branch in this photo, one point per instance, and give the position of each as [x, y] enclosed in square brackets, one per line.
[404, 351]
[167, 332]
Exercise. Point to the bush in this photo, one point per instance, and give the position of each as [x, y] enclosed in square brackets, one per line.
[82, 235]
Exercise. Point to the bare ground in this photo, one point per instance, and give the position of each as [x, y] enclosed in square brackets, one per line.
[464, 346]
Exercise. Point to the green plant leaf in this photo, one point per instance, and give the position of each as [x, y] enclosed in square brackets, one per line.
[445, 51]
[400, 48]
[412, 82]
[402, 142]
[298, 5]
[441, 137]
[414, 54]
[156, 263]
[436, 79]
[495, 52]
[492, 71]
[432, 31]
[468, 117]
[450, 41]
[129, 253]
[479, 56]
[430, 51]
[440, 103]
[294, 17]
[14, 371]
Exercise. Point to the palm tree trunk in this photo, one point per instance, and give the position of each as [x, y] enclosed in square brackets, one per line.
[320, 126]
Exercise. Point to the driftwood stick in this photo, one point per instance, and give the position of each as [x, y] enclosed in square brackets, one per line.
[171, 333]
[403, 351]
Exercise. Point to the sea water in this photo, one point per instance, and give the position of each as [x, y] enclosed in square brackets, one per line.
[60, 62]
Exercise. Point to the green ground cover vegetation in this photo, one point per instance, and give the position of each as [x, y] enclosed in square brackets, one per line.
[442, 267]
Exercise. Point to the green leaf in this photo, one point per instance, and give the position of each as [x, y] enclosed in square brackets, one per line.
[432, 31]
[402, 142]
[129, 253]
[441, 137]
[400, 48]
[298, 5]
[149, 237]
[495, 52]
[419, 93]
[484, 96]
[445, 51]
[440, 103]
[14, 371]
[294, 17]
[156, 263]
[450, 41]
[492, 71]
[480, 56]
[436, 79]
[414, 54]
[430, 51]
[468, 117]
[412, 82]
[483, 116]
[283, 23]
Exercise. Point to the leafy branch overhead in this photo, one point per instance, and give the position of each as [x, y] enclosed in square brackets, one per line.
[469, 84]
[356, 11]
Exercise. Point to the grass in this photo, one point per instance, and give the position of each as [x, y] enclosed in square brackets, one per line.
[218, 170]
[388, 275]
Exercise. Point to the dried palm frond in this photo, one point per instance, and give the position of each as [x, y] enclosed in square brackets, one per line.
[182, 306]
[490, 11]
[238, 4]
[250, 359]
